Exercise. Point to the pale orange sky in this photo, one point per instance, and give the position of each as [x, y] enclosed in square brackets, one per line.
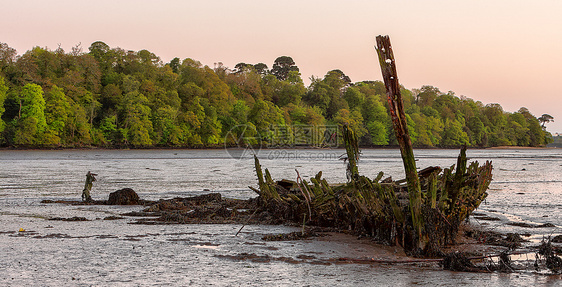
[496, 51]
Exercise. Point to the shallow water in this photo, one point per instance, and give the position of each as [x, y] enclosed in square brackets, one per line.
[526, 188]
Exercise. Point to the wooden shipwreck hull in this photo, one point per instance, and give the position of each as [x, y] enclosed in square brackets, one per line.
[380, 208]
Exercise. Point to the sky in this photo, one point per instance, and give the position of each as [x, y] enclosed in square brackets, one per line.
[494, 51]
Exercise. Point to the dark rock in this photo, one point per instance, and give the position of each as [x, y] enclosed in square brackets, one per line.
[125, 196]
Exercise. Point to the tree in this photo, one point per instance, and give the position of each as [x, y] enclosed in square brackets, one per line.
[544, 119]
[423, 137]
[241, 67]
[108, 127]
[375, 117]
[149, 58]
[453, 134]
[378, 132]
[426, 95]
[353, 119]
[477, 131]
[518, 130]
[78, 127]
[337, 79]
[8, 57]
[175, 64]
[537, 134]
[39, 66]
[313, 116]
[372, 88]
[267, 118]
[447, 105]
[166, 129]
[237, 126]
[261, 68]
[328, 93]
[137, 125]
[435, 128]
[190, 119]
[245, 84]
[495, 121]
[98, 50]
[282, 66]
[32, 123]
[56, 113]
[428, 111]
[354, 98]
[211, 126]
[3, 90]
[213, 88]
[289, 91]
[318, 95]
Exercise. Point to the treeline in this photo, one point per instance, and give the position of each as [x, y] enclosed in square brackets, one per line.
[111, 97]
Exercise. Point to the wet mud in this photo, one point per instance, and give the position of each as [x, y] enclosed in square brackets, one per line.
[140, 247]
[476, 250]
[212, 253]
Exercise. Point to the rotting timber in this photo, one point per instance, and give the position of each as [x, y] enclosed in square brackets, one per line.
[382, 208]
[421, 213]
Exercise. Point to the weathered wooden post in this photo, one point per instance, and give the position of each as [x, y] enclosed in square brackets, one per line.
[352, 150]
[388, 69]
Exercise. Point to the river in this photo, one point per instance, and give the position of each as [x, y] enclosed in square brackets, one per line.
[526, 188]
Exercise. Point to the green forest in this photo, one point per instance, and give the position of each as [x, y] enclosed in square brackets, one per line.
[111, 97]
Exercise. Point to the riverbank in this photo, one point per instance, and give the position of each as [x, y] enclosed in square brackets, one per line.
[222, 147]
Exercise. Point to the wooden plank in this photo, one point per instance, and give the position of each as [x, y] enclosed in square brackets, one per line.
[398, 115]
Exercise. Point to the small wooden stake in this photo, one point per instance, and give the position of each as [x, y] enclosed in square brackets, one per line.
[396, 107]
